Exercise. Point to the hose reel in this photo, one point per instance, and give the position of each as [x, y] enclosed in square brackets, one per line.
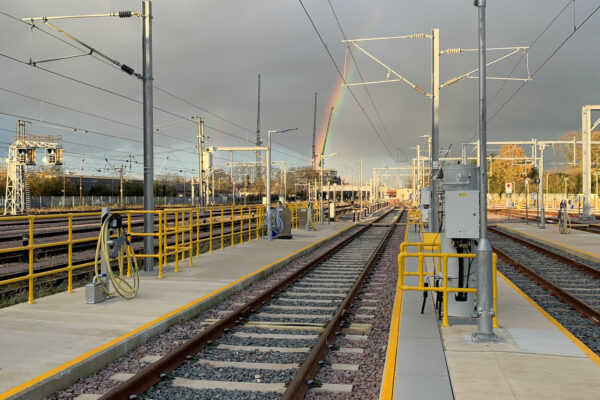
[113, 247]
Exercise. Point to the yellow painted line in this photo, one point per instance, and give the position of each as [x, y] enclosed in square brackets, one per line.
[105, 346]
[388, 383]
[562, 246]
[593, 356]
[389, 373]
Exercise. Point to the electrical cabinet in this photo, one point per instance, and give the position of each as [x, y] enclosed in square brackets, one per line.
[462, 214]
[424, 204]
[207, 161]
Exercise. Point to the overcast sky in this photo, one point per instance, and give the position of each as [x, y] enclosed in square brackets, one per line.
[210, 52]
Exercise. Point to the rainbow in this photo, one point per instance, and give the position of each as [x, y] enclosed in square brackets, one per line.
[339, 95]
[336, 101]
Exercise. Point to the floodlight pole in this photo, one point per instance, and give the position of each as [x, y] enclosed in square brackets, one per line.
[361, 191]
[268, 162]
[435, 130]
[586, 161]
[201, 189]
[147, 79]
[541, 186]
[485, 290]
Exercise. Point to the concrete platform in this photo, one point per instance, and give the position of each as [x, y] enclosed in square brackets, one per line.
[48, 345]
[421, 372]
[582, 244]
[537, 359]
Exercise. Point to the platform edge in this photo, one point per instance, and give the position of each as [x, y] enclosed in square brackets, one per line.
[69, 372]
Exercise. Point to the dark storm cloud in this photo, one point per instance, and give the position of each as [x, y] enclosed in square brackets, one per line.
[210, 52]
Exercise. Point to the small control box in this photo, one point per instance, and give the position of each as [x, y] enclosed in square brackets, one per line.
[94, 292]
[462, 214]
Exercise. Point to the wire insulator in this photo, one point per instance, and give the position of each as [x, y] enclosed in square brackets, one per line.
[127, 69]
[454, 51]
[124, 14]
[450, 82]
[417, 36]
[420, 90]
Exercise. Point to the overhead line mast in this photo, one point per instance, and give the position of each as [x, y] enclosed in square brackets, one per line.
[258, 141]
[314, 153]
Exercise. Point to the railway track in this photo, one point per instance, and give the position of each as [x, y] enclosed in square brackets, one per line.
[565, 287]
[270, 347]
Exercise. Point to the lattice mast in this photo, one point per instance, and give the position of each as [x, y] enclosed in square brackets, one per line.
[21, 153]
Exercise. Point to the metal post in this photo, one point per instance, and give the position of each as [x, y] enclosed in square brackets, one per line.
[314, 153]
[435, 131]
[258, 140]
[284, 183]
[322, 208]
[541, 187]
[201, 190]
[148, 134]
[121, 186]
[65, 190]
[527, 201]
[374, 183]
[575, 148]
[586, 161]
[485, 278]
[414, 186]
[360, 187]
[418, 163]
[81, 191]
[596, 174]
[192, 191]
[268, 182]
[233, 184]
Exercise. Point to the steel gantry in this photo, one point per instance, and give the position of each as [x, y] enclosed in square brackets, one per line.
[377, 175]
[434, 94]
[21, 153]
[537, 157]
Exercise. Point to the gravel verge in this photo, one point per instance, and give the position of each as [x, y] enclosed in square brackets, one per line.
[366, 381]
[164, 343]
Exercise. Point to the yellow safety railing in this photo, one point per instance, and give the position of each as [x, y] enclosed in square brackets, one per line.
[178, 234]
[414, 217]
[186, 231]
[72, 264]
[442, 269]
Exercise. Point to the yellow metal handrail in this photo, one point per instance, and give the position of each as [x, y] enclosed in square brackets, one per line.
[444, 288]
[414, 217]
[177, 231]
[71, 265]
[185, 232]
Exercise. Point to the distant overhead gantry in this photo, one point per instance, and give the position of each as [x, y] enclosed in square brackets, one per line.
[21, 153]
[394, 76]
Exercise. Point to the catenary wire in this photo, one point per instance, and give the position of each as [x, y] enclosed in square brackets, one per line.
[344, 80]
[361, 76]
[138, 101]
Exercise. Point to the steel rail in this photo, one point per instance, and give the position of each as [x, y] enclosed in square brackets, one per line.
[153, 373]
[300, 383]
[577, 304]
[565, 260]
